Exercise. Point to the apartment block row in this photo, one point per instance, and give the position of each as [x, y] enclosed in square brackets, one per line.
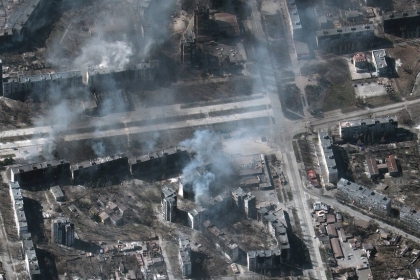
[31, 260]
[184, 256]
[48, 172]
[362, 197]
[327, 157]
[275, 223]
[368, 130]
[226, 243]
[95, 80]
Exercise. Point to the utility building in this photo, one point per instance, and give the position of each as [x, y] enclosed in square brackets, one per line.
[380, 62]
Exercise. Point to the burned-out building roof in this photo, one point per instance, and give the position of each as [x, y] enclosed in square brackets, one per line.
[227, 24]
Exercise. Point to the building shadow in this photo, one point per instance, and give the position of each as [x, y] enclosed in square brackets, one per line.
[198, 270]
[33, 211]
[46, 264]
[86, 246]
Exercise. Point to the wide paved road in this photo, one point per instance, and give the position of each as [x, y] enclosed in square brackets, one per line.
[282, 133]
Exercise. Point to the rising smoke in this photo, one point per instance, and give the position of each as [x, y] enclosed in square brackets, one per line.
[99, 53]
[208, 164]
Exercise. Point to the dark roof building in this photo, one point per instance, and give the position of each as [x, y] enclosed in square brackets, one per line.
[41, 173]
[402, 24]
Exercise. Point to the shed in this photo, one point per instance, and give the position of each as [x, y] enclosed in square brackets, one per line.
[104, 217]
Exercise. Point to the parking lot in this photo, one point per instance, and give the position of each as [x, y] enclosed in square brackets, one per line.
[354, 260]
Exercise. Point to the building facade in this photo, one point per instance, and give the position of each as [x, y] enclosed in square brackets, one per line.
[63, 232]
[245, 202]
[184, 256]
[327, 157]
[169, 204]
[346, 38]
[402, 24]
[368, 130]
[362, 197]
[380, 62]
[263, 260]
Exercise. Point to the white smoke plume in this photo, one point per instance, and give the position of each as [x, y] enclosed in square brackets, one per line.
[98, 53]
[206, 146]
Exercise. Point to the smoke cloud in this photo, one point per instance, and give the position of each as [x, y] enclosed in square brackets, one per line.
[98, 53]
[208, 163]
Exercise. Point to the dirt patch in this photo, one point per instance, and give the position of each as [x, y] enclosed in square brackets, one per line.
[407, 67]
[335, 90]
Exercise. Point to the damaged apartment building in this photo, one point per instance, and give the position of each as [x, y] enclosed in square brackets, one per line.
[21, 19]
[225, 242]
[208, 24]
[261, 260]
[211, 208]
[245, 202]
[254, 171]
[165, 163]
[62, 231]
[184, 256]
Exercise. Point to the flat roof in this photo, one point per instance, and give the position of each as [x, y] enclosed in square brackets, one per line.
[379, 57]
[399, 15]
[345, 30]
[362, 192]
[372, 166]
[294, 14]
[370, 121]
[57, 192]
